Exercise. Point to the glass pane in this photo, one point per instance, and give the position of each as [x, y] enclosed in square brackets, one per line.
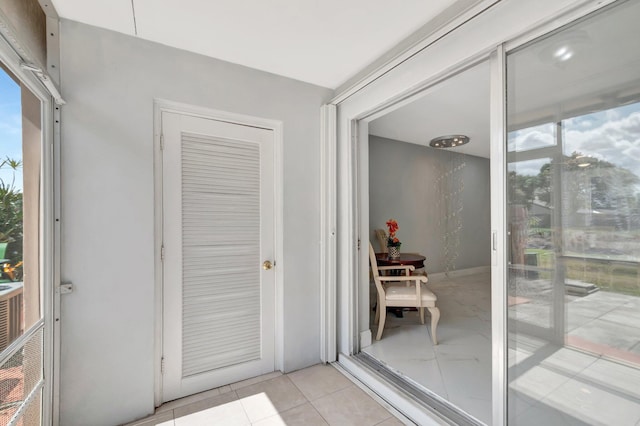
[20, 153]
[574, 224]
[532, 137]
[532, 252]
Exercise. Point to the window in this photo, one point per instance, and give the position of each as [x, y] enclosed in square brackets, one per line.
[21, 330]
[573, 214]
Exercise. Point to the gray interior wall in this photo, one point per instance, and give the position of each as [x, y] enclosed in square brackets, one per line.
[402, 186]
[109, 81]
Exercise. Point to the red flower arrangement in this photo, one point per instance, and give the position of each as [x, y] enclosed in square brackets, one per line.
[393, 227]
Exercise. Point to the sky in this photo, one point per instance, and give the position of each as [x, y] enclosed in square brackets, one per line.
[10, 128]
[612, 135]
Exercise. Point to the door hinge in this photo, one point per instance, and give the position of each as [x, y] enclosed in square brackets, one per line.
[161, 142]
[162, 365]
[162, 253]
[359, 243]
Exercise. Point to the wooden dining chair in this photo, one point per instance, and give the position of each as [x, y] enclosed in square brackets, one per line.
[407, 291]
[381, 235]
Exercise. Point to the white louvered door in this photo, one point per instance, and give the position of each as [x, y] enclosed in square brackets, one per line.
[218, 229]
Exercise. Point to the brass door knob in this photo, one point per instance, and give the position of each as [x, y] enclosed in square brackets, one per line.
[266, 265]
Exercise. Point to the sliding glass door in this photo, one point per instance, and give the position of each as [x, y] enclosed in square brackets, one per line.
[573, 223]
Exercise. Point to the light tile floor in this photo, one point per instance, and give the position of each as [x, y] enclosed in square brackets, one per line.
[593, 379]
[549, 384]
[458, 369]
[318, 395]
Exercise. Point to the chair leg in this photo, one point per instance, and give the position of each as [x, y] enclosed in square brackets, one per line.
[435, 317]
[377, 320]
[383, 317]
[421, 315]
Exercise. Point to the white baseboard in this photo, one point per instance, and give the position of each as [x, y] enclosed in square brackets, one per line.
[365, 338]
[460, 273]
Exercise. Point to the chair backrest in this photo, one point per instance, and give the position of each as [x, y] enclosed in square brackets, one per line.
[382, 239]
[373, 261]
[375, 272]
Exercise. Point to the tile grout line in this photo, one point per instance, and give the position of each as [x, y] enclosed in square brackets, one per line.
[237, 398]
[310, 402]
[444, 385]
[278, 412]
[244, 410]
[301, 393]
[392, 411]
[252, 380]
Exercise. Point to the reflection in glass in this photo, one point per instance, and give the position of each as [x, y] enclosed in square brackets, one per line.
[574, 226]
[532, 137]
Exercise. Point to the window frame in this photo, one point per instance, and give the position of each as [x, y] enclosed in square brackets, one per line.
[49, 224]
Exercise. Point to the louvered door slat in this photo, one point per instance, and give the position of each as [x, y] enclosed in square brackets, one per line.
[221, 253]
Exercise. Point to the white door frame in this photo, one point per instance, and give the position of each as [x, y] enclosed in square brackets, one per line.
[520, 21]
[160, 106]
[328, 191]
[40, 84]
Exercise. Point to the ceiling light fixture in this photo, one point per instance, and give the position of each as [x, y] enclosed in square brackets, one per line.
[450, 141]
[584, 160]
[564, 46]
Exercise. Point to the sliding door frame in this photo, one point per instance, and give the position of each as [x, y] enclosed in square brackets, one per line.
[499, 239]
[438, 60]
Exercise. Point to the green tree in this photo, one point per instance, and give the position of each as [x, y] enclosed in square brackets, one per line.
[11, 228]
[522, 188]
[588, 183]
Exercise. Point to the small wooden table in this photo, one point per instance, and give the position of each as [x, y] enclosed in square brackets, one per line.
[415, 260]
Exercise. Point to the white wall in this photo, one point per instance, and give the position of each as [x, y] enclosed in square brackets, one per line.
[109, 81]
[402, 180]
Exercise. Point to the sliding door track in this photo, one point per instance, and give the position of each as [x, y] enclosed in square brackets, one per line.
[429, 400]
